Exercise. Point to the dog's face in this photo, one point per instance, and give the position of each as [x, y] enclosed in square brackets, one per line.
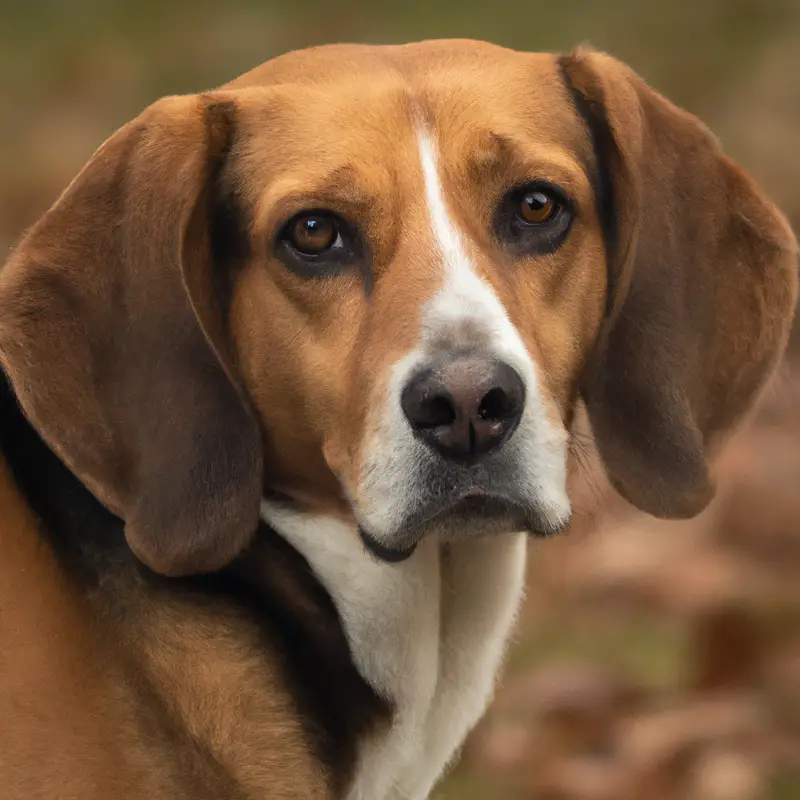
[427, 277]
[376, 281]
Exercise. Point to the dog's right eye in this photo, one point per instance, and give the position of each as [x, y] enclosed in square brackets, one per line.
[313, 234]
[317, 243]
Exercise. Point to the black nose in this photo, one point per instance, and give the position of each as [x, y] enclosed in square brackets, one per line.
[466, 407]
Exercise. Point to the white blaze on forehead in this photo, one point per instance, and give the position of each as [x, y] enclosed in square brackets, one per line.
[447, 236]
[465, 311]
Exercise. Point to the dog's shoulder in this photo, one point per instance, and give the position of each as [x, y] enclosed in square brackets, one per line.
[114, 680]
[62, 724]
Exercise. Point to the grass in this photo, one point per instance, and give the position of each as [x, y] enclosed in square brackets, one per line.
[642, 648]
[785, 786]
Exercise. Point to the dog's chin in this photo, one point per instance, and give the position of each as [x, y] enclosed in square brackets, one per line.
[467, 518]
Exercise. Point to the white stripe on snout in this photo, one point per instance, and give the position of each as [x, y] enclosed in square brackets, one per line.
[465, 311]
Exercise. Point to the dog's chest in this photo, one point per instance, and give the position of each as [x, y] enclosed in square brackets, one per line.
[427, 634]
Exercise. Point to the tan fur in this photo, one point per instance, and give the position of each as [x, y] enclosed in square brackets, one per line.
[63, 699]
[98, 701]
[178, 388]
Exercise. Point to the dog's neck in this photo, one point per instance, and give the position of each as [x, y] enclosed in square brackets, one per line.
[428, 634]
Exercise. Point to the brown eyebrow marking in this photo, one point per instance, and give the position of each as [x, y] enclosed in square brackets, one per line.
[494, 151]
[345, 179]
[341, 186]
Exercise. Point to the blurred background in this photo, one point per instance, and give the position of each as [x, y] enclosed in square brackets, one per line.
[653, 660]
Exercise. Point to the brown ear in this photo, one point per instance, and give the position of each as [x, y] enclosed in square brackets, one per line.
[702, 286]
[112, 333]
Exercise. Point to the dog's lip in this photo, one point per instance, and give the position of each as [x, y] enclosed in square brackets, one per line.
[474, 503]
[382, 552]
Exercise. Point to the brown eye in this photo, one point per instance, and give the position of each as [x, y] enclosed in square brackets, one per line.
[317, 242]
[312, 234]
[534, 218]
[536, 207]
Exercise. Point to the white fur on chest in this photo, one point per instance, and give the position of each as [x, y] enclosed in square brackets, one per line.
[428, 634]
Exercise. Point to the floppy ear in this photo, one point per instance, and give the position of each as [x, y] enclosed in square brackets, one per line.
[112, 331]
[702, 275]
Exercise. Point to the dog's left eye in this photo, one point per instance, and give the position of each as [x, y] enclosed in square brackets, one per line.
[534, 218]
[536, 207]
[313, 234]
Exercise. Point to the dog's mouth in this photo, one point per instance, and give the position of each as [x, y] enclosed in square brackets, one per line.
[474, 514]
[384, 553]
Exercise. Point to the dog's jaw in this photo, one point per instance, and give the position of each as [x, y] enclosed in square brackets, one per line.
[428, 634]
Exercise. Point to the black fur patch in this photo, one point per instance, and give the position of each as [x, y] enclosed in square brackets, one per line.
[88, 539]
[594, 117]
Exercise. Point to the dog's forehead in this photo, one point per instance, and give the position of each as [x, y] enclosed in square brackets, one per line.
[461, 79]
[415, 61]
[363, 106]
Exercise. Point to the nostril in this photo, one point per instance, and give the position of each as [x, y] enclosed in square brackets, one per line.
[497, 405]
[435, 412]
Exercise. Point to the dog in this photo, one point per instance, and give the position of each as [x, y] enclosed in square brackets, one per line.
[290, 370]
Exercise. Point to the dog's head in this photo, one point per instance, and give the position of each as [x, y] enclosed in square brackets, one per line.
[377, 281]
